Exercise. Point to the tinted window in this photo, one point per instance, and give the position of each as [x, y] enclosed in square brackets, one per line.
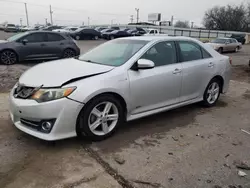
[114, 53]
[152, 31]
[190, 51]
[163, 53]
[35, 37]
[205, 54]
[54, 37]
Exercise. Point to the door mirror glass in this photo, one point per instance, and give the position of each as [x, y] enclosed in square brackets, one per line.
[24, 41]
[145, 64]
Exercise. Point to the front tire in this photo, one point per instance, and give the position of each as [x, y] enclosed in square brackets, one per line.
[100, 118]
[8, 57]
[78, 37]
[212, 93]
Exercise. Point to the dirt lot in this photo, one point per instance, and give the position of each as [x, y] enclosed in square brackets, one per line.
[190, 147]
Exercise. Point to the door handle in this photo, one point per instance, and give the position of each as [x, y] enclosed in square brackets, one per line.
[176, 71]
[210, 64]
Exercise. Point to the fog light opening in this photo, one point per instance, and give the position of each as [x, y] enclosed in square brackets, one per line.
[46, 126]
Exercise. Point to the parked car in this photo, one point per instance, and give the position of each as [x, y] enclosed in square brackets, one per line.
[100, 28]
[85, 33]
[26, 28]
[37, 45]
[66, 29]
[115, 28]
[10, 28]
[105, 32]
[225, 45]
[51, 28]
[154, 32]
[115, 34]
[2, 26]
[240, 38]
[120, 80]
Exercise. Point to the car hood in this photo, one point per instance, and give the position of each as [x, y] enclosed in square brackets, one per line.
[60, 72]
[3, 41]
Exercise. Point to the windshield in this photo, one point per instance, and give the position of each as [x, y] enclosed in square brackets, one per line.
[16, 37]
[10, 25]
[114, 53]
[219, 41]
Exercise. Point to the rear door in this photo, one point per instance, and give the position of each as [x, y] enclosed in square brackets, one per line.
[34, 48]
[197, 69]
[54, 45]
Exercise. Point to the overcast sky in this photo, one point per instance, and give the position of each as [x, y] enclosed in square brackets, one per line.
[75, 12]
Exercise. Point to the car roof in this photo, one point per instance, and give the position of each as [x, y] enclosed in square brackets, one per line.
[158, 38]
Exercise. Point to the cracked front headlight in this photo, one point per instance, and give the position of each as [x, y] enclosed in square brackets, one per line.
[45, 95]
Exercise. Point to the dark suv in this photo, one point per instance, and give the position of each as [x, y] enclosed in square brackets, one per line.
[239, 37]
[36, 45]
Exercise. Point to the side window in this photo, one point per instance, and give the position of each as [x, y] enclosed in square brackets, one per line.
[205, 54]
[35, 37]
[151, 32]
[156, 32]
[189, 51]
[162, 53]
[54, 37]
[232, 41]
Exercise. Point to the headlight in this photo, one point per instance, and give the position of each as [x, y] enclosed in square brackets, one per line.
[45, 95]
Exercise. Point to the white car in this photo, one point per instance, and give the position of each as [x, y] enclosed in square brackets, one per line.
[121, 80]
[156, 32]
[66, 29]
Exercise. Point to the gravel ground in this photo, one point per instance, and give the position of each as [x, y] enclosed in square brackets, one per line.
[190, 147]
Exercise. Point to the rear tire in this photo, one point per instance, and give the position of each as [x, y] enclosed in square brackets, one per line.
[237, 49]
[220, 50]
[212, 93]
[93, 115]
[8, 57]
[69, 53]
[96, 37]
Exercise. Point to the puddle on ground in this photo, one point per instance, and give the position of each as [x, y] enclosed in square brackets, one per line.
[246, 95]
[221, 103]
[241, 73]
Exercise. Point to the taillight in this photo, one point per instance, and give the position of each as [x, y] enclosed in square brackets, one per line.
[230, 60]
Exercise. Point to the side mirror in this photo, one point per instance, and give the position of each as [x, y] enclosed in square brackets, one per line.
[24, 41]
[145, 64]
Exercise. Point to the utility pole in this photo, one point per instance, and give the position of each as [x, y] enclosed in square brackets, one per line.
[192, 24]
[27, 16]
[88, 20]
[172, 20]
[21, 22]
[51, 12]
[137, 14]
[131, 19]
[46, 21]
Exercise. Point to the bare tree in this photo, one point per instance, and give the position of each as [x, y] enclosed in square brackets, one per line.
[182, 24]
[228, 17]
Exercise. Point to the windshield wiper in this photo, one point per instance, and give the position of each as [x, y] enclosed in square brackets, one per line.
[90, 61]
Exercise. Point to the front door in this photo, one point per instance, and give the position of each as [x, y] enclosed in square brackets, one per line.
[197, 68]
[34, 47]
[160, 86]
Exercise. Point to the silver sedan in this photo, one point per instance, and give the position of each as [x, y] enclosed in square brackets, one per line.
[121, 80]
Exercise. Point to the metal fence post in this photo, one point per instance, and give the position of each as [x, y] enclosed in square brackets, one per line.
[200, 33]
[209, 34]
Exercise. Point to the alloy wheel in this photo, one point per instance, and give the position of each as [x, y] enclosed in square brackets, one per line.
[77, 37]
[96, 37]
[213, 93]
[8, 57]
[68, 53]
[103, 118]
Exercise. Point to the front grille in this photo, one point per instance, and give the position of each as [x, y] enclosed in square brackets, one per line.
[23, 92]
